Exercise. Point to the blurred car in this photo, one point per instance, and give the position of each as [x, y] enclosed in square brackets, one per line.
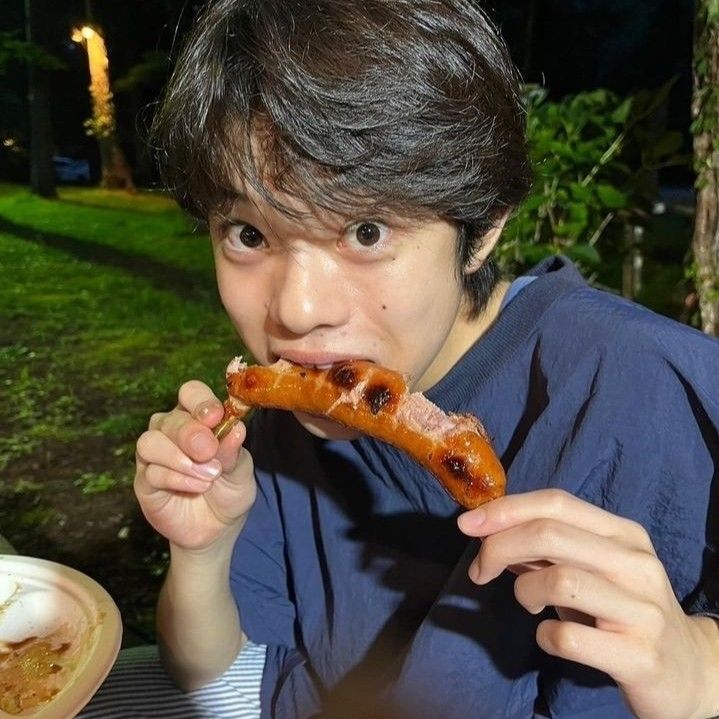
[69, 170]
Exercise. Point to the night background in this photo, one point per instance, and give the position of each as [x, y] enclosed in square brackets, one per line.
[565, 45]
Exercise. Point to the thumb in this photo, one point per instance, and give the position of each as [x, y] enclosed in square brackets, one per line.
[230, 448]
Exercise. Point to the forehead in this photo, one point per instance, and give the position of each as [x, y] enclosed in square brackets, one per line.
[260, 174]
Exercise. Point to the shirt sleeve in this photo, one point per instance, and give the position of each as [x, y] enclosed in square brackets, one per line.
[258, 574]
[644, 444]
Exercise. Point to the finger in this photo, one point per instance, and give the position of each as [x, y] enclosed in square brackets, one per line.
[193, 438]
[209, 412]
[157, 478]
[553, 541]
[157, 419]
[155, 447]
[230, 447]
[566, 586]
[201, 403]
[613, 653]
[193, 393]
[513, 510]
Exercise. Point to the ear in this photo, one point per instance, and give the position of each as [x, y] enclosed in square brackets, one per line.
[486, 244]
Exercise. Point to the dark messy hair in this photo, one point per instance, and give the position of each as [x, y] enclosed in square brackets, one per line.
[407, 106]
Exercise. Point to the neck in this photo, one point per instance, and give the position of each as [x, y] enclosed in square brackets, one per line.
[463, 335]
[489, 314]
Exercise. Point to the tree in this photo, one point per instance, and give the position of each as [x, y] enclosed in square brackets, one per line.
[115, 170]
[42, 176]
[705, 112]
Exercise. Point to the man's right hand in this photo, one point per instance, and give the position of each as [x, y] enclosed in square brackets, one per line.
[193, 489]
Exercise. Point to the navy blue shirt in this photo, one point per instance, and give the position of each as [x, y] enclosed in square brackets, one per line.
[353, 572]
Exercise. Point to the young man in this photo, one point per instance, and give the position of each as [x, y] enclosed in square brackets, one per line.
[356, 161]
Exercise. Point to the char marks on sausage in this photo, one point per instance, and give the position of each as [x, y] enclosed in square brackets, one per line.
[376, 401]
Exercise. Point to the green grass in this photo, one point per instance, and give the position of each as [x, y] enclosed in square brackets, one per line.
[107, 305]
[87, 343]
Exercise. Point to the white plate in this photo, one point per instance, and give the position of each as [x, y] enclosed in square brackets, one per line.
[37, 598]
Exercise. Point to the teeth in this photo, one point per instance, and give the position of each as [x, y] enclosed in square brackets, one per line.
[317, 366]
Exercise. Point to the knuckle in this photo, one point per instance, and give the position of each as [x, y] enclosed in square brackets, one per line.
[193, 385]
[639, 536]
[562, 583]
[558, 499]
[144, 443]
[546, 533]
[559, 637]
[654, 572]
[156, 420]
[192, 392]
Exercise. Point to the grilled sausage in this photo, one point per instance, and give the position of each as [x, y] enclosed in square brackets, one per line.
[376, 401]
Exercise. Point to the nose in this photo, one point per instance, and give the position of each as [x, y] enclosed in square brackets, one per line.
[307, 293]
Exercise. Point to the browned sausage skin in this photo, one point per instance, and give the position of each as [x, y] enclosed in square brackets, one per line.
[376, 401]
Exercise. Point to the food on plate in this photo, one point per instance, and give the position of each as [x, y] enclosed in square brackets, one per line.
[34, 670]
[375, 401]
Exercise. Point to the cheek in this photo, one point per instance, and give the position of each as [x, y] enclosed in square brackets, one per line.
[244, 301]
[229, 290]
[420, 293]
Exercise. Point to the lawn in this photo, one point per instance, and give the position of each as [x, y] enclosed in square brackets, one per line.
[107, 304]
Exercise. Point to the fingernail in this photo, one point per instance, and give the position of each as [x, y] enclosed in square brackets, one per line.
[208, 470]
[471, 521]
[204, 408]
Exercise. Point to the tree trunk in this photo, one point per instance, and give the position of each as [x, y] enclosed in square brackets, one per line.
[115, 170]
[42, 175]
[705, 112]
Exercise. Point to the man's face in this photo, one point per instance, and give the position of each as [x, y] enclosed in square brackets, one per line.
[325, 288]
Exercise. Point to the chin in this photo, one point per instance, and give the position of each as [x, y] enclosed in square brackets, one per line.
[325, 428]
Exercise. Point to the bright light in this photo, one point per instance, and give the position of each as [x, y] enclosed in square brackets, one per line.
[102, 123]
[8, 142]
[82, 33]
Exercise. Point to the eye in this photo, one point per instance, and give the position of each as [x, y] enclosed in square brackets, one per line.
[368, 234]
[242, 236]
